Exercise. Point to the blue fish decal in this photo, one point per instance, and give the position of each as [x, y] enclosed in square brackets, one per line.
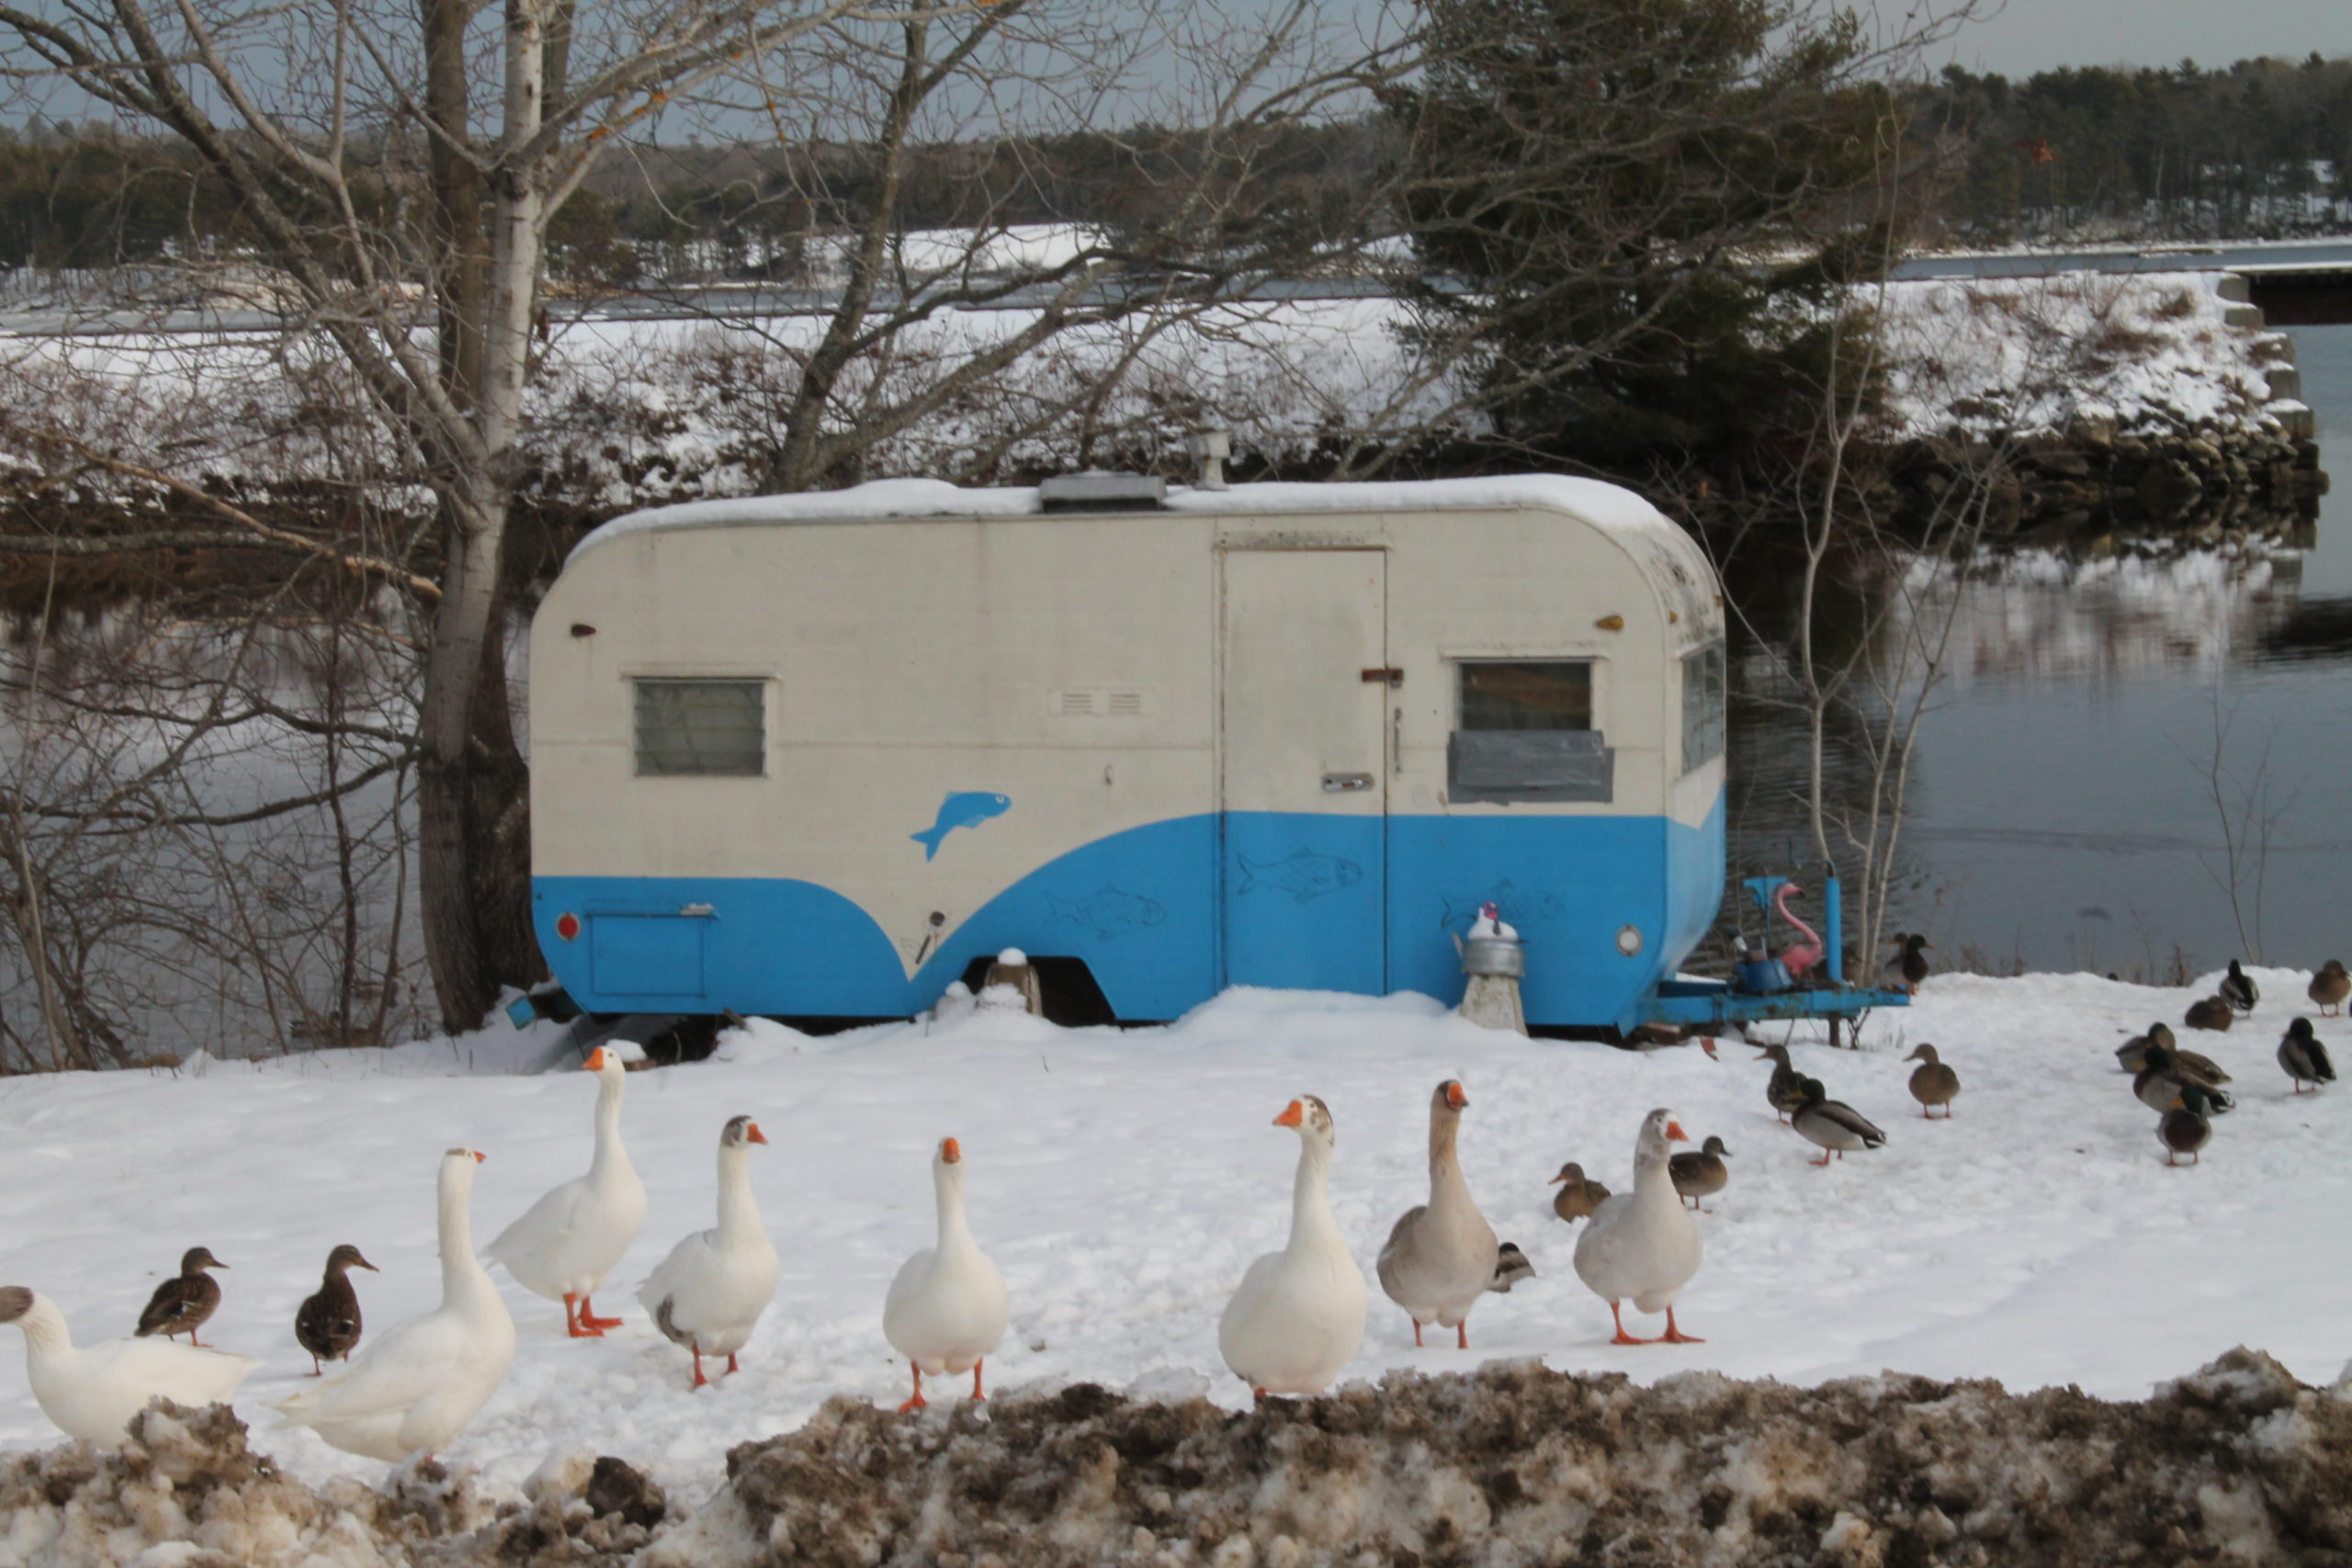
[1302, 874]
[962, 809]
[1108, 912]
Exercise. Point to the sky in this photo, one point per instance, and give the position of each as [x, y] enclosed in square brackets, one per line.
[2041, 35]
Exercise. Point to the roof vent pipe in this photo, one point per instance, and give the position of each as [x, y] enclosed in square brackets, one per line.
[1210, 449]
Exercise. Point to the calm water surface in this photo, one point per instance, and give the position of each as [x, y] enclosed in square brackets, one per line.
[2060, 814]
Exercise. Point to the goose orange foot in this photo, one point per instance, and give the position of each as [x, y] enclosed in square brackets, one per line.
[588, 1318]
[917, 1401]
[1622, 1338]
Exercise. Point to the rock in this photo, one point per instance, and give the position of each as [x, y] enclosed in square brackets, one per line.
[617, 1487]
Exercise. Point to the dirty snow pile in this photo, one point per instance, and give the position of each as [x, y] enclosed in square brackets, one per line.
[1124, 1179]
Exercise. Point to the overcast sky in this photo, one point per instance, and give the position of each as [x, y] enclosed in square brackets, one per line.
[2038, 35]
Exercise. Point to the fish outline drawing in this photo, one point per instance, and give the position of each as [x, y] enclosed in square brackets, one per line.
[1302, 873]
[962, 809]
[1109, 912]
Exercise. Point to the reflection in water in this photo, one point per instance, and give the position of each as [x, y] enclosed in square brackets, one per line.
[2060, 813]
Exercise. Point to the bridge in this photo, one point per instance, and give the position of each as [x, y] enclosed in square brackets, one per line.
[2295, 283]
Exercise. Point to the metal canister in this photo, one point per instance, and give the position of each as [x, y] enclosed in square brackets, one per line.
[1505, 956]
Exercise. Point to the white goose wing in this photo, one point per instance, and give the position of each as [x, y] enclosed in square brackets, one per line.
[400, 1368]
[553, 1218]
[185, 1374]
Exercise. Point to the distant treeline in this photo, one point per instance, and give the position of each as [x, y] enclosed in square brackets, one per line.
[2263, 147]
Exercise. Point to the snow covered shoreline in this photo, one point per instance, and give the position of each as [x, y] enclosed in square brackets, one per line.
[1122, 1179]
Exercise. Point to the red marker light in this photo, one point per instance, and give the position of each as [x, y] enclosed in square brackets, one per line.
[567, 927]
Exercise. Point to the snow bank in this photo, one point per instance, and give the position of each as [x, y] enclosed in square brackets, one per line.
[1510, 1465]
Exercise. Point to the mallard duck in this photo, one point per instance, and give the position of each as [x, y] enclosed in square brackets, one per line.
[566, 1242]
[92, 1393]
[1700, 1174]
[1578, 1195]
[1439, 1255]
[1932, 1083]
[1642, 1245]
[2304, 1057]
[327, 1323]
[1511, 1266]
[1297, 1315]
[2159, 1083]
[2237, 989]
[1913, 960]
[947, 1308]
[182, 1305]
[2132, 1056]
[2184, 1130]
[708, 1295]
[1784, 1092]
[2330, 986]
[1832, 1125]
[2211, 1012]
[415, 1387]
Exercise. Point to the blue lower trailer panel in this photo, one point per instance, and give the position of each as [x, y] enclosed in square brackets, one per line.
[1167, 915]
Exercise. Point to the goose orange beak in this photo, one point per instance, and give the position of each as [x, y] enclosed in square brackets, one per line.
[1454, 1097]
[949, 1150]
[1675, 1135]
[755, 1135]
[596, 1061]
[479, 1156]
[1292, 1114]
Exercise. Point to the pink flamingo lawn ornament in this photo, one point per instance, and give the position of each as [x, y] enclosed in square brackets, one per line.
[1798, 956]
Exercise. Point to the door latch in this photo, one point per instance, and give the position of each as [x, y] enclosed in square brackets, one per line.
[1384, 675]
[1346, 783]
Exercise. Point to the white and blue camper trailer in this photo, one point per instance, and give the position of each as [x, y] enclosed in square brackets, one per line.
[812, 755]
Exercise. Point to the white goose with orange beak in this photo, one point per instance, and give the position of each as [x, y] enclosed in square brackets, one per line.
[1642, 1246]
[565, 1244]
[1298, 1316]
[946, 1309]
[708, 1295]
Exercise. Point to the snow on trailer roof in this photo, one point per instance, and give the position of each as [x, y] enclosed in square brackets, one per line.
[1604, 505]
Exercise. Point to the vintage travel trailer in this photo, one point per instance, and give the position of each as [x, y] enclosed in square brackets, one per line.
[815, 756]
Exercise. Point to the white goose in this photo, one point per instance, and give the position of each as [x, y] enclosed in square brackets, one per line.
[93, 1394]
[1298, 1314]
[947, 1308]
[1441, 1258]
[417, 1386]
[708, 1293]
[566, 1242]
[1642, 1245]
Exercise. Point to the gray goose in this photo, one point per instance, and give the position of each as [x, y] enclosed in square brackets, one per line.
[327, 1323]
[2304, 1057]
[183, 1304]
[1441, 1255]
[1832, 1125]
[1932, 1083]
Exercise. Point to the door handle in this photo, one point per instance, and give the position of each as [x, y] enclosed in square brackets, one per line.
[1346, 783]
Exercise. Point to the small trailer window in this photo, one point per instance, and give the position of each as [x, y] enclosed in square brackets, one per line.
[1552, 695]
[1703, 706]
[706, 727]
[1524, 732]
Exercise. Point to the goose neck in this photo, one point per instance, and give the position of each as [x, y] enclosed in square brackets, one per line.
[1446, 1183]
[45, 1330]
[739, 1214]
[610, 1158]
[947, 1185]
[1312, 1224]
[459, 1269]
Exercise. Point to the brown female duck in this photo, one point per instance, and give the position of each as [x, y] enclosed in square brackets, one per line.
[327, 1324]
[181, 1305]
[2211, 1012]
[1697, 1175]
[1786, 1092]
[1932, 1083]
[2159, 1083]
[2330, 986]
[1577, 1197]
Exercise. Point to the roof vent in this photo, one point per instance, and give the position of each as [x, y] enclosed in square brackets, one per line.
[1097, 491]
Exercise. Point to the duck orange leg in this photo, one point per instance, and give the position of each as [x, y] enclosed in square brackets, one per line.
[575, 1322]
[975, 1379]
[588, 1318]
[1823, 1160]
[1621, 1337]
[917, 1401]
[1675, 1336]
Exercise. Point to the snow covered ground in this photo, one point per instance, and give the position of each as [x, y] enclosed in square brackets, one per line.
[1123, 1180]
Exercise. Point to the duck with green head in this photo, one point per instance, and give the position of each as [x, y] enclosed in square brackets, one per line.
[2159, 1083]
[1832, 1125]
[2304, 1057]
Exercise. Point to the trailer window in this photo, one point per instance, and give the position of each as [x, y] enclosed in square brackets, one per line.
[1703, 706]
[1554, 693]
[702, 727]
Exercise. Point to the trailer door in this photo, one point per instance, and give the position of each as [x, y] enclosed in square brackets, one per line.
[1304, 780]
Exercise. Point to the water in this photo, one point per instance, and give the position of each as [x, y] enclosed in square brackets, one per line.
[2061, 815]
